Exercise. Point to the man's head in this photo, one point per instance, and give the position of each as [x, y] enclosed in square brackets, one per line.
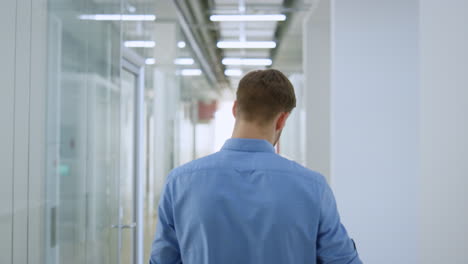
[264, 100]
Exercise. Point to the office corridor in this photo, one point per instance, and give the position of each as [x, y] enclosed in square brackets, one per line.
[101, 99]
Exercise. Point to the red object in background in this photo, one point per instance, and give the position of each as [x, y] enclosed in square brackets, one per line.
[206, 111]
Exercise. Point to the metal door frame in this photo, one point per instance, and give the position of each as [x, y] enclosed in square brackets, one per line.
[134, 64]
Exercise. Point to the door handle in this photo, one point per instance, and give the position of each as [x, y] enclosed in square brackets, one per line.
[129, 226]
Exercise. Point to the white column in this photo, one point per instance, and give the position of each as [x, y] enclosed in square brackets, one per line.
[374, 125]
[165, 100]
[37, 137]
[444, 131]
[293, 136]
[7, 77]
[22, 138]
[22, 130]
[361, 70]
[161, 149]
[316, 40]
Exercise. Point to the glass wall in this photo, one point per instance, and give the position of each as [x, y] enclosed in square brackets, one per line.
[105, 168]
[84, 127]
[103, 101]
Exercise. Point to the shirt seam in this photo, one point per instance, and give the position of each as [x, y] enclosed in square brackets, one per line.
[244, 150]
[177, 175]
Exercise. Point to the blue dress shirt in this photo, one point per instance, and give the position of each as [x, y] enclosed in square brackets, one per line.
[246, 204]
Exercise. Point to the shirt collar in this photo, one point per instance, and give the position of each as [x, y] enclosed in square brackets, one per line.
[248, 145]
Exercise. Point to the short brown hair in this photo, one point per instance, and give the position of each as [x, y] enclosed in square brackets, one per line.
[262, 94]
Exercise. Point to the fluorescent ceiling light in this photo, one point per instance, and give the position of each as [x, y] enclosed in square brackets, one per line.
[246, 44]
[184, 61]
[248, 62]
[139, 44]
[233, 72]
[181, 44]
[191, 72]
[150, 61]
[271, 17]
[118, 17]
[131, 8]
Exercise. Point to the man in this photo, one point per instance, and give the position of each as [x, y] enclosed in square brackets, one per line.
[246, 204]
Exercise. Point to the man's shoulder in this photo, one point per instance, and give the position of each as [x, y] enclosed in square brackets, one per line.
[278, 163]
[197, 164]
[304, 172]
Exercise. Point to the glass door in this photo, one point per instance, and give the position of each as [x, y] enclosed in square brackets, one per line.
[130, 195]
[127, 168]
[82, 144]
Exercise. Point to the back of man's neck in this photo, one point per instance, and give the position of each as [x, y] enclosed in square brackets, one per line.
[253, 131]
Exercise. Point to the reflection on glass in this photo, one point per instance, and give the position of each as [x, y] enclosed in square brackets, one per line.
[82, 134]
[127, 164]
[91, 120]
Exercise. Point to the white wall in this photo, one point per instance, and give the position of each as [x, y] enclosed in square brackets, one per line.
[22, 138]
[166, 97]
[444, 131]
[164, 102]
[374, 125]
[397, 108]
[361, 70]
[7, 77]
[316, 40]
[293, 136]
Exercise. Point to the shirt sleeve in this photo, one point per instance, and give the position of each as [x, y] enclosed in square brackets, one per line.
[165, 249]
[333, 244]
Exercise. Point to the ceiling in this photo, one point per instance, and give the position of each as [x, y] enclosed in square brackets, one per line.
[287, 56]
[247, 31]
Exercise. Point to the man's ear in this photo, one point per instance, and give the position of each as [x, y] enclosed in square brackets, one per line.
[282, 120]
[234, 109]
